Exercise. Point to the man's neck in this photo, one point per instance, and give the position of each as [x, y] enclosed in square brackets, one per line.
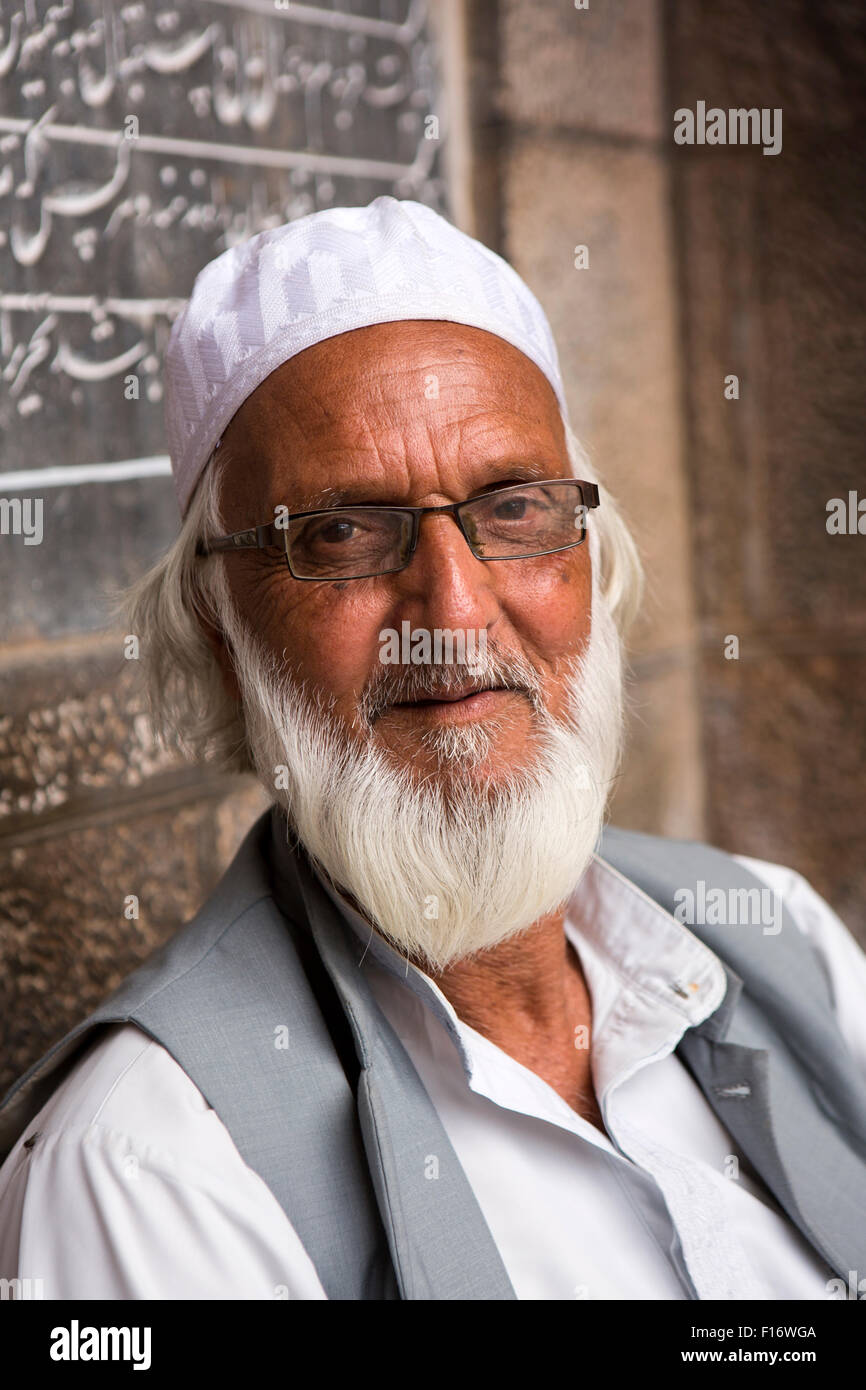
[523, 985]
[529, 996]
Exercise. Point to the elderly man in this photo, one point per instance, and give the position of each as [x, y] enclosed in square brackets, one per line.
[434, 1036]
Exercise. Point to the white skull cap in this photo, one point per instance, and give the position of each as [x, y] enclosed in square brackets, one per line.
[284, 289]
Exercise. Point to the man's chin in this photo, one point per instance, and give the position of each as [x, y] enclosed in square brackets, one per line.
[482, 756]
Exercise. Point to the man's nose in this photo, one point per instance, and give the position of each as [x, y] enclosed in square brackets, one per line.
[444, 584]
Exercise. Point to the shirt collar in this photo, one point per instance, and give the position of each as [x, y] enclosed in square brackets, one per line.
[626, 943]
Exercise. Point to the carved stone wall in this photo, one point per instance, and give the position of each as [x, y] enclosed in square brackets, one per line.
[137, 142]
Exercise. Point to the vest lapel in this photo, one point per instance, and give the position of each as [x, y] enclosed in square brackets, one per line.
[440, 1243]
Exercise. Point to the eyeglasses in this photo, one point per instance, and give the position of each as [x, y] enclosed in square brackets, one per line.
[508, 523]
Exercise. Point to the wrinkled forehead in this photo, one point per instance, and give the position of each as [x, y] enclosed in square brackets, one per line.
[409, 375]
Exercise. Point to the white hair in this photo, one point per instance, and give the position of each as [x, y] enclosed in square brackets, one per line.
[189, 705]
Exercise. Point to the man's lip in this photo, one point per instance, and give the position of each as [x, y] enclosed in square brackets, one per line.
[450, 699]
[455, 707]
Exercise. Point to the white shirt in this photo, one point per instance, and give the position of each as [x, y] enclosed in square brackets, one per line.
[135, 1189]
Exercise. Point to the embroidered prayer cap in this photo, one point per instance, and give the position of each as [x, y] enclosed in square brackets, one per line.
[284, 289]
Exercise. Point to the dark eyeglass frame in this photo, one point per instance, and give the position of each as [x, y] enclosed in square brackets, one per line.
[268, 536]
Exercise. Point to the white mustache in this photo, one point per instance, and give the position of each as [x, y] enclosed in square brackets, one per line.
[409, 684]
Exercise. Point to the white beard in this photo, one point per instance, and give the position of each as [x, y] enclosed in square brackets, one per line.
[446, 866]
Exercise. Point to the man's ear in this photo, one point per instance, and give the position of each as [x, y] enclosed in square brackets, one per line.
[220, 650]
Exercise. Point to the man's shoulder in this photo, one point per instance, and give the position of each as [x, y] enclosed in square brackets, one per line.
[623, 839]
[659, 856]
[127, 1098]
[757, 915]
[122, 1080]
[155, 1197]
[663, 864]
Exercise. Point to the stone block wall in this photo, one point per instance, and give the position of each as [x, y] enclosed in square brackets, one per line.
[771, 287]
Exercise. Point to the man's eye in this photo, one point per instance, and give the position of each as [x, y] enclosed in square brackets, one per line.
[332, 532]
[512, 509]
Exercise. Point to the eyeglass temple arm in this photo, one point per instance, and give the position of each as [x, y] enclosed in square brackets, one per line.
[254, 538]
[590, 494]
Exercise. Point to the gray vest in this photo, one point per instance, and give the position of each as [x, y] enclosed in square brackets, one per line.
[339, 1125]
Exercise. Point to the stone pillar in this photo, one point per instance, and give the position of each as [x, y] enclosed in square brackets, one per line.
[572, 150]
